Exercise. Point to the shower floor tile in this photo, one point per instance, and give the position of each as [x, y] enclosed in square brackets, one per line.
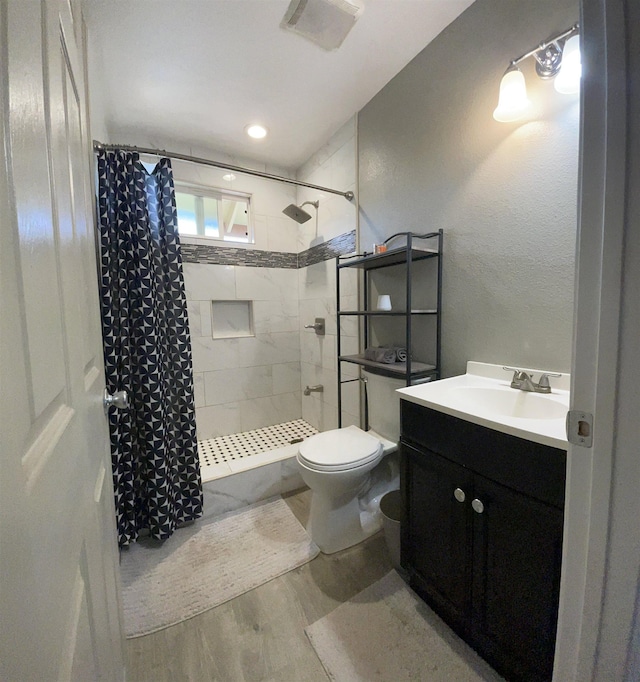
[236, 446]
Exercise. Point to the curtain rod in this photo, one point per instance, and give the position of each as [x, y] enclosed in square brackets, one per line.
[100, 146]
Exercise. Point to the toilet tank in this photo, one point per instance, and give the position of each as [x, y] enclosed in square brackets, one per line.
[384, 405]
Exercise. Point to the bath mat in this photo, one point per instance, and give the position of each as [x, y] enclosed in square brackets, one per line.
[207, 564]
[387, 633]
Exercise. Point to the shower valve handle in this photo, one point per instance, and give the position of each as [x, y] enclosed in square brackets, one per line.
[318, 326]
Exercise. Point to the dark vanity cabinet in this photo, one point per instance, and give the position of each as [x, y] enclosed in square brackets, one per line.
[482, 536]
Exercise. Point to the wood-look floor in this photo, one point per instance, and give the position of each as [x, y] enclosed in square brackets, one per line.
[260, 634]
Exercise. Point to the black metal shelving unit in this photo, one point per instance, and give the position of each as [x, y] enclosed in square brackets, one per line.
[405, 256]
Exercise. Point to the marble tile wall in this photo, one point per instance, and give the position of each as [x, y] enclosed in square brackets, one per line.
[255, 381]
[318, 353]
[333, 165]
[248, 382]
[247, 486]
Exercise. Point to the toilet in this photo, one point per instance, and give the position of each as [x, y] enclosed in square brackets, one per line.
[348, 471]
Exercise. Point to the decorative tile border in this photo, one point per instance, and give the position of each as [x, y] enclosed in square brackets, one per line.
[338, 246]
[222, 255]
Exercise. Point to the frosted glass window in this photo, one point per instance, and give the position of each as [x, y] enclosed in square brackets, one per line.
[212, 213]
[186, 206]
[210, 210]
[235, 217]
[232, 319]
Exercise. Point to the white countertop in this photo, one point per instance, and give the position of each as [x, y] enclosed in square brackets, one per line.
[491, 402]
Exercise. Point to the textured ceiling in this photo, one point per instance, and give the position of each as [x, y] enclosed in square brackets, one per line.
[197, 72]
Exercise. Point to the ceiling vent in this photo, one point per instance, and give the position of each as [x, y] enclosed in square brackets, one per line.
[324, 22]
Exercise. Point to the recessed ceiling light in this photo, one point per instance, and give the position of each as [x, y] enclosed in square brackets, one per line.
[256, 131]
[228, 177]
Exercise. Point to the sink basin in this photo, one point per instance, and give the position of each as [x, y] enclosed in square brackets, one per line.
[507, 402]
[484, 396]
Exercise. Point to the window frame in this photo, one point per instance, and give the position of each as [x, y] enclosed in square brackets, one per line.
[219, 194]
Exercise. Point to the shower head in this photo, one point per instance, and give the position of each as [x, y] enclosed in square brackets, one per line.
[298, 213]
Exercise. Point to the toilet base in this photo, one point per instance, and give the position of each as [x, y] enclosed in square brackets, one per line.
[338, 521]
[336, 524]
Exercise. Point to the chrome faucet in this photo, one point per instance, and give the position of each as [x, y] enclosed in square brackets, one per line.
[523, 381]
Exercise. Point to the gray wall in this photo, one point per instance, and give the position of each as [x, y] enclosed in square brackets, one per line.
[432, 156]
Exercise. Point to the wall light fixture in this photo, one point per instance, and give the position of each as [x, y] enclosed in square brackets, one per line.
[559, 56]
[568, 80]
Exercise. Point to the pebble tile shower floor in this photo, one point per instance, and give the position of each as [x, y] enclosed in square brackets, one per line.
[239, 445]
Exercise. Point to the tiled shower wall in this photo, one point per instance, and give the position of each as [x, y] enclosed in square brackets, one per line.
[249, 382]
[333, 165]
[255, 381]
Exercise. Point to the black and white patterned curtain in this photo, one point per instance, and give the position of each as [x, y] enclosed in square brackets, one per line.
[147, 349]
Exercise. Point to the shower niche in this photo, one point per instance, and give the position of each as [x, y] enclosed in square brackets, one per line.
[231, 319]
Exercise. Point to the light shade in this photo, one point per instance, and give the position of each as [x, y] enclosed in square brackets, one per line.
[568, 79]
[513, 103]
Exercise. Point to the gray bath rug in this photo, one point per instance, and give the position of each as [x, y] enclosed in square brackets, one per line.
[387, 633]
[207, 564]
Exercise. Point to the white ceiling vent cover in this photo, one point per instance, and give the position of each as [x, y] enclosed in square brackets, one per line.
[325, 22]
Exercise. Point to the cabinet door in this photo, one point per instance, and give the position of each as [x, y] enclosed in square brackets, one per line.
[436, 545]
[516, 580]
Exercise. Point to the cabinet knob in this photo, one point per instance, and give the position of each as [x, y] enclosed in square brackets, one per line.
[458, 493]
[477, 505]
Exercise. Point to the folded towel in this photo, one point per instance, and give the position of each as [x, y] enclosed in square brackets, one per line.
[384, 355]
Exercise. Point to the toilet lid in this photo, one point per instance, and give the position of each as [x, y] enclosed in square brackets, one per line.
[345, 448]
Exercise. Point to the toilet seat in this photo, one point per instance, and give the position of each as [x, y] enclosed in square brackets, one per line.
[339, 450]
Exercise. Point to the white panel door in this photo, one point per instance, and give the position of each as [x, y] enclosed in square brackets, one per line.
[60, 613]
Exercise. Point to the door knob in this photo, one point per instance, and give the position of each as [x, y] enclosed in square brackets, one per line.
[458, 493]
[119, 400]
[477, 505]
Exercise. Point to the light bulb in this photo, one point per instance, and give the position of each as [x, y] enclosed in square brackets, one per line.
[567, 81]
[513, 103]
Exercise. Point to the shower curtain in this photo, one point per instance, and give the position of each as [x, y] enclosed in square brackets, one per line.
[147, 349]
